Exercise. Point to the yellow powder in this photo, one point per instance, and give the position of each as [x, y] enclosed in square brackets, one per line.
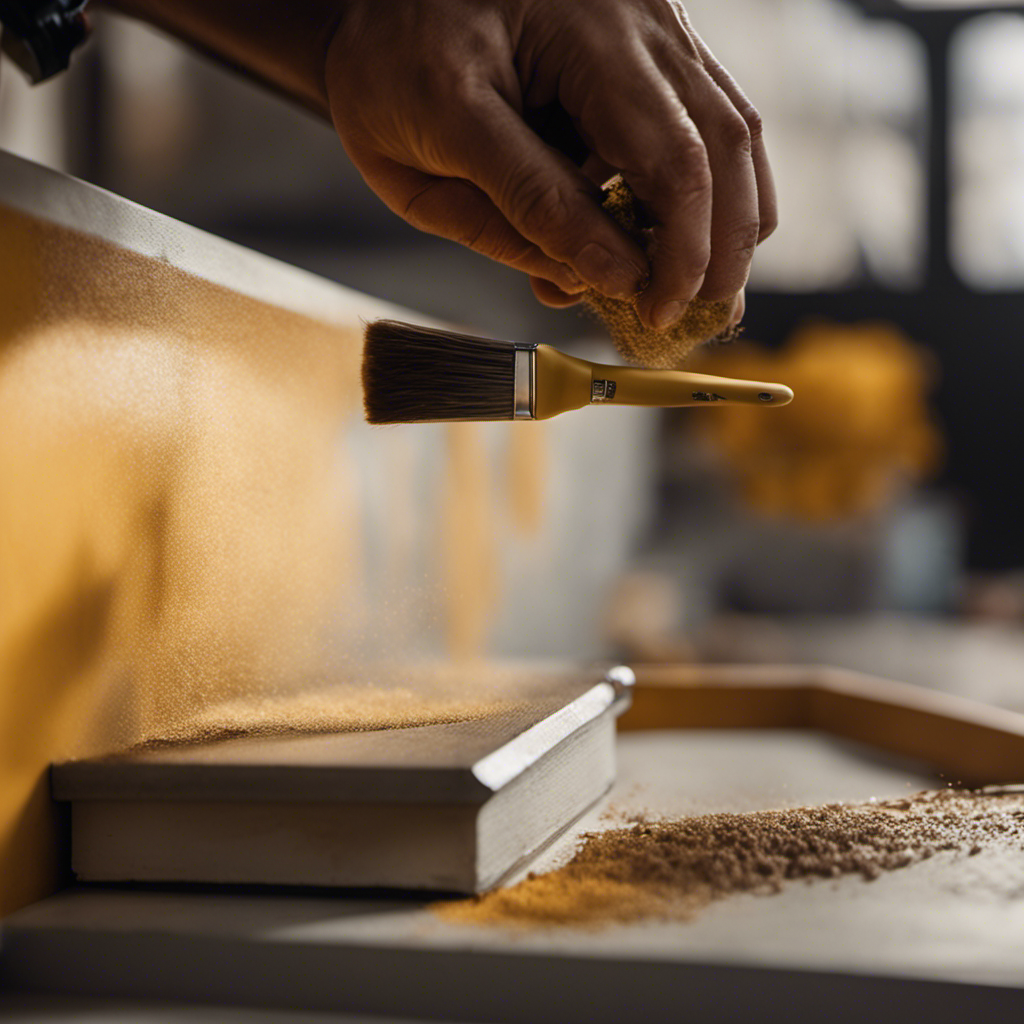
[349, 708]
[527, 475]
[385, 697]
[469, 557]
[673, 869]
[183, 530]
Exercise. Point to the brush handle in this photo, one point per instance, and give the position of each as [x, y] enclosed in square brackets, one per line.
[564, 382]
[627, 385]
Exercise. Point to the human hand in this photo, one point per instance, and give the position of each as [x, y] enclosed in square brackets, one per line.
[430, 99]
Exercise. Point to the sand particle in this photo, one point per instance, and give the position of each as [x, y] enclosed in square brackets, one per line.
[673, 869]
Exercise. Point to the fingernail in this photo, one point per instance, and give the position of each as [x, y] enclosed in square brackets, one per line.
[571, 281]
[666, 314]
[612, 276]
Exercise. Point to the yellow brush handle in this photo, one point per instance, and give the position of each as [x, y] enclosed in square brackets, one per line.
[565, 382]
[630, 386]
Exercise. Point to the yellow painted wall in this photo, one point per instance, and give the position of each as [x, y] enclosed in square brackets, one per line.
[171, 522]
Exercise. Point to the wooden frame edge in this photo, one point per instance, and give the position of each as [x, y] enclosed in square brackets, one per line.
[965, 741]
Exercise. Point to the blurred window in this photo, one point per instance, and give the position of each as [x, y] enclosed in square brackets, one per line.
[844, 101]
[987, 104]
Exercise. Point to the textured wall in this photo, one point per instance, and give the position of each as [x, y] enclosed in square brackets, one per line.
[193, 511]
[171, 525]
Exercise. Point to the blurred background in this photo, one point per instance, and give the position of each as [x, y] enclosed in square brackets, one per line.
[874, 524]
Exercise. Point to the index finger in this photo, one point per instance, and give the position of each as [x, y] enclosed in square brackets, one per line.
[543, 195]
[639, 124]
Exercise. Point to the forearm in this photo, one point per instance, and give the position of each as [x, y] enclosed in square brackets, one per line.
[283, 43]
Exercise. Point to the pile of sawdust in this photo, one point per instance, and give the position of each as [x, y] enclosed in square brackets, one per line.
[666, 350]
[672, 869]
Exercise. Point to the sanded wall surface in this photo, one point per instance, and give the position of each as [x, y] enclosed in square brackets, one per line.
[173, 524]
[194, 514]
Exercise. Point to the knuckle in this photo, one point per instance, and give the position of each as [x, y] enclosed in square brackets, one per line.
[465, 89]
[443, 82]
[736, 135]
[689, 178]
[769, 222]
[477, 235]
[678, 166]
[695, 263]
[493, 238]
[742, 238]
[513, 252]
[412, 209]
[539, 207]
[755, 124]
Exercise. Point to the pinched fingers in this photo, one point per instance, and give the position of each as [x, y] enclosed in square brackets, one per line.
[639, 124]
[735, 217]
[767, 204]
[689, 144]
[545, 198]
[456, 209]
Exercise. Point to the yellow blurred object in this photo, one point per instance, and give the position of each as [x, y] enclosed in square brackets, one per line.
[859, 427]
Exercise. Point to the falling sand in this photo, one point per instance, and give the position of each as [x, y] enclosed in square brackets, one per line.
[673, 869]
[195, 519]
[350, 708]
[386, 698]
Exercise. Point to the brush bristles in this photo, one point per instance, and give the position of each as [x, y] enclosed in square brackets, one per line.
[416, 374]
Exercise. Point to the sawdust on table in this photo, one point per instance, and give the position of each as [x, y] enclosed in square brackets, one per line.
[672, 869]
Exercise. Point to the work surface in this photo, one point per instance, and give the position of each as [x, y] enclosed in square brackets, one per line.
[943, 936]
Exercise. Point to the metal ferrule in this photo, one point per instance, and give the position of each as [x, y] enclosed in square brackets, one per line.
[525, 382]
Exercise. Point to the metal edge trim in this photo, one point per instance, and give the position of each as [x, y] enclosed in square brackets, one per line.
[59, 199]
[499, 768]
[105, 778]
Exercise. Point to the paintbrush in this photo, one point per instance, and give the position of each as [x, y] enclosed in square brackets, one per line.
[415, 374]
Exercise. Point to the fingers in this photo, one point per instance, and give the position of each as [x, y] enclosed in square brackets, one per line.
[739, 309]
[767, 205]
[735, 218]
[455, 209]
[545, 198]
[599, 171]
[649, 100]
[638, 123]
[551, 295]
